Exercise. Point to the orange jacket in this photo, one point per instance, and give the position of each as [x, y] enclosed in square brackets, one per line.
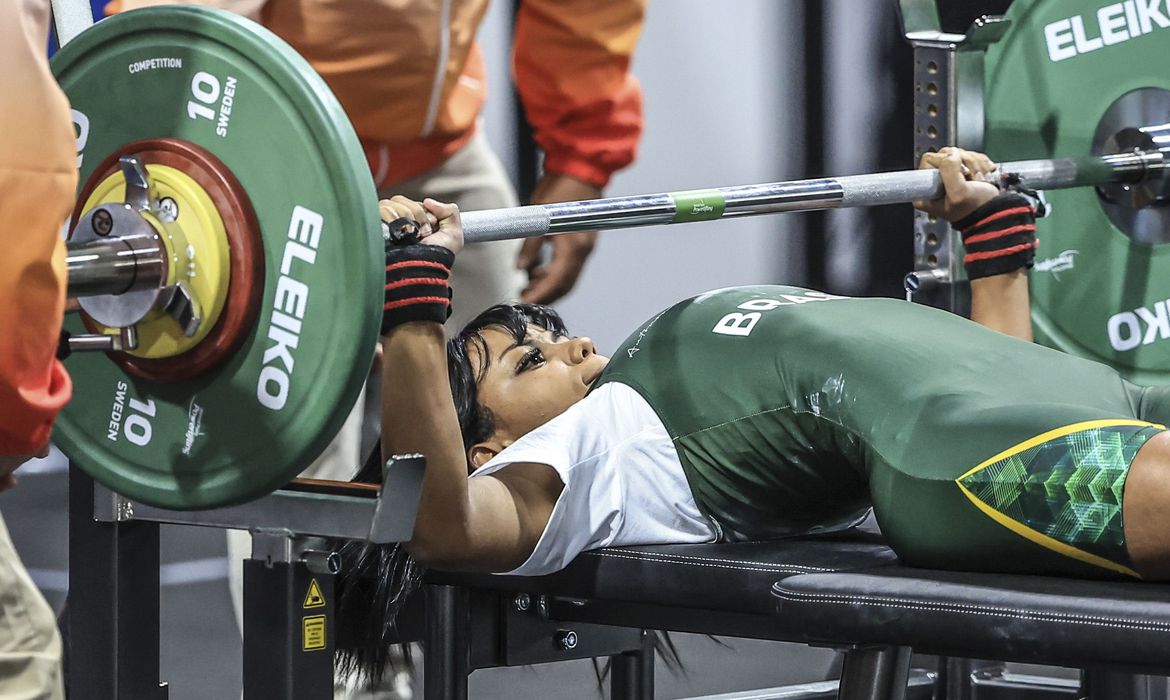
[411, 77]
[38, 182]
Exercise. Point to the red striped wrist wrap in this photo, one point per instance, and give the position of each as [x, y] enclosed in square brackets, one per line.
[999, 236]
[417, 287]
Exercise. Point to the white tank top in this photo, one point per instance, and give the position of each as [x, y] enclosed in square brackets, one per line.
[623, 482]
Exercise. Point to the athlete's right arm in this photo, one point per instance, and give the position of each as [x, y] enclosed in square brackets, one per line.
[491, 523]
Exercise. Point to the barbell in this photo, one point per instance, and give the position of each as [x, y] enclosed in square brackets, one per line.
[1147, 164]
[226, 251]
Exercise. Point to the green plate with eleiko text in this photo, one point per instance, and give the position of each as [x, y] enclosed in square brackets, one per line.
[231, 89]
[1064, 80]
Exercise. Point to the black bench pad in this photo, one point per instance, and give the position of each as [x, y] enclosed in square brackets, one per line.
[1006, 617]
[726, 577]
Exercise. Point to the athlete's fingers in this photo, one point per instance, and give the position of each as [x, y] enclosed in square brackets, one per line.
[930, 160]
[954, 181]
[415, 211]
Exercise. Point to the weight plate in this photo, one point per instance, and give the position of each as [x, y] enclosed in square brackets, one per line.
[1065, 69]
[237, 91]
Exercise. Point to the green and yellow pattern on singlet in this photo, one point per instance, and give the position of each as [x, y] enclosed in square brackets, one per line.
[793, 411]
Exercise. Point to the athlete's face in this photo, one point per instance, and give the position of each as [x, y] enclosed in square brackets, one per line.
[529, 383]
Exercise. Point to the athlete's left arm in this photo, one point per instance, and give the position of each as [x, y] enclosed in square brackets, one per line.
[999, 301]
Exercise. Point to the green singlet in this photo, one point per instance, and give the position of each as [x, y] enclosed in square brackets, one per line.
[793, 410]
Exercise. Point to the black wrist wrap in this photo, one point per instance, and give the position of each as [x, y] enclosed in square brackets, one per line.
[999, 236]
[417, 287]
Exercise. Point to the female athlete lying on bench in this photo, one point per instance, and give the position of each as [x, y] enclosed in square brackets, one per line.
[764, 412]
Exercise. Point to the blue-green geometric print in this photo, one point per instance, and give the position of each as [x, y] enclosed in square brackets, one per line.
[1068, 488]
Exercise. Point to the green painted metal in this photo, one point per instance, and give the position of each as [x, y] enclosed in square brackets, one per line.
[1048, 82]
[232, 87]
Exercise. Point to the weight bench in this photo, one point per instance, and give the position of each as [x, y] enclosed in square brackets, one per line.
[845, 591]
[717, 589]
[1066, 622]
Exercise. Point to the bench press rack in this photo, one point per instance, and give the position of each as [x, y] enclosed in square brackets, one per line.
[113, 618]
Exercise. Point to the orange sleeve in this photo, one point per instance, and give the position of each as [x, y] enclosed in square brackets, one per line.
[572, 66]
[38, 181]
[248, 8]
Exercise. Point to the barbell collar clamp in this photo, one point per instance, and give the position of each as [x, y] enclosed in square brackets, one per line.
[140, 193]
[184, 307]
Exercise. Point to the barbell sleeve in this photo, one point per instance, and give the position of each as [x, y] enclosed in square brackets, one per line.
[797, 195]
[114, 266]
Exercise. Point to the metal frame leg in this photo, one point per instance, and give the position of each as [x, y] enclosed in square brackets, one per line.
[956, 676]
[113, 603]
[446, 645]
[288, 624]
[875, 673]
[631, 674]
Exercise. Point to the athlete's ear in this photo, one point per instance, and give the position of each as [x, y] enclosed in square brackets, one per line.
[482, 452]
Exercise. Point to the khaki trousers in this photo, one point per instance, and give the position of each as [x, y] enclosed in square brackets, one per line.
[30, 646]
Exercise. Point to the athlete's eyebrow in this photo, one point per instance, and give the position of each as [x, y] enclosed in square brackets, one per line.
[485, 358]
[518, 331]
[518, 344]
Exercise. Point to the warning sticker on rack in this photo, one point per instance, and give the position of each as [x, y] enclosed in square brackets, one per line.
[314, 598]
[313, 632]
